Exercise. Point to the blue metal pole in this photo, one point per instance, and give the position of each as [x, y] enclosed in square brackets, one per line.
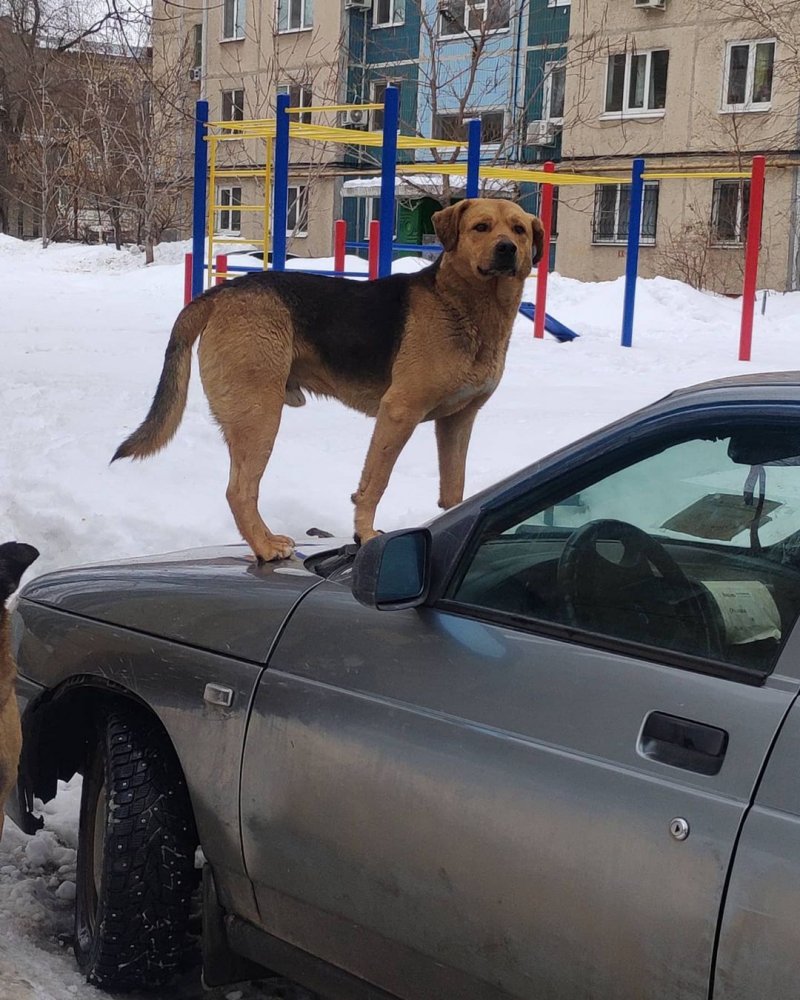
[199, 195]
[632, 262]
[391, 122]
[280, 184]
[473, 157]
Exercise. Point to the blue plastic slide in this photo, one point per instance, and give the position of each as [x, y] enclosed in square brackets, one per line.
[558, 330]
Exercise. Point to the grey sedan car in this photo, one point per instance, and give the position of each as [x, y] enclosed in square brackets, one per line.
[547, 746]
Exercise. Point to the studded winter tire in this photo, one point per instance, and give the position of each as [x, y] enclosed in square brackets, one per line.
[135, 869]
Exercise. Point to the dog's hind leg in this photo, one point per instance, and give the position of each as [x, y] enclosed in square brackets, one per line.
[396, 419]
[250, 440]
[452, 441]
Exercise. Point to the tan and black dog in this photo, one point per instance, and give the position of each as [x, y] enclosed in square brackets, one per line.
[14, 560]
[406, 348]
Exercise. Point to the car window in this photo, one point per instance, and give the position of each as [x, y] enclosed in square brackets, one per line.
[692, 548]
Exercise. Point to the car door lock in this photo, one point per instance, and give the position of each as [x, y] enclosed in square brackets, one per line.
[679, 828]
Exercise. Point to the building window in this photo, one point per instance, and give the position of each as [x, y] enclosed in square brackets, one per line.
[229, 219]
[297, 210]
[636, 82]
[300, 96]
[730, 212]
[555, 74]
[611, 209]
[378, 92]
[197, 46]
[748, 75]
[453, 128]
[458, 17]
[295, 15]
[232, 105]
[558, 3]
[386, 13]
[233, 19]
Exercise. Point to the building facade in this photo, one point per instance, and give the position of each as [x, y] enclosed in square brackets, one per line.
[585, 83]
[686, 86]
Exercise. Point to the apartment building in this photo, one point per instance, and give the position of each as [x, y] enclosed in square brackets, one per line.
[687, 86]
[239, 55]
[452, 60]
[586, 83]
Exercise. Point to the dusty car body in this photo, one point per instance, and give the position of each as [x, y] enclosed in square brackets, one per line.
[545, 747]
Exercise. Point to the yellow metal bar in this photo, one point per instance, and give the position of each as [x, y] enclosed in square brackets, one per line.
[236, 240]
[511, 174]
[709, 175]
[240, 173]
[267, 199]
[212, 197]
[239, 208]
[339, 107]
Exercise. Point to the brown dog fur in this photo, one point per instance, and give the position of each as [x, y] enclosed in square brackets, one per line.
[14, 560]
[258, 352]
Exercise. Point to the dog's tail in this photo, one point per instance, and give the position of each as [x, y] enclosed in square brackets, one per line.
[166, 411]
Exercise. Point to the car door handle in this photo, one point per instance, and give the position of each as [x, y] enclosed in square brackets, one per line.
[683, 743]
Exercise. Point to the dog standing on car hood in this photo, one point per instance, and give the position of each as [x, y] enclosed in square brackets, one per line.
[14, 560]
[406, 348]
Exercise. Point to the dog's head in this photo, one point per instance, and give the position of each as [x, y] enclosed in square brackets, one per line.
[15, 558]
[490, 237]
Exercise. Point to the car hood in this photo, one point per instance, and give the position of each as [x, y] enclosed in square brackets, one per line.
[215, 599]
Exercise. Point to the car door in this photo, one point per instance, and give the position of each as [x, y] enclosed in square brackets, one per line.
[533, 788]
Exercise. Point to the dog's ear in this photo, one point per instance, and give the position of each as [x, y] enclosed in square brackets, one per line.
[446, 223]
[537, 233]
[15, 558]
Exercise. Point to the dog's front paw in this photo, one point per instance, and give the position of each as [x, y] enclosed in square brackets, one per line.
[275, 547]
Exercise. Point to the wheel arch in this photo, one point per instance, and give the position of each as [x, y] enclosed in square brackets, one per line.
[58, 730]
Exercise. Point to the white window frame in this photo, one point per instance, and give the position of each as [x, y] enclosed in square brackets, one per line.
[628, 112]
[644, 241]
[476, 113]
[306, 15]
[301, 195]
[228, 230]
[749, 104]
[238, 20]
[547, 89]
[558, 3]
[477, 5]
[304, 99]
[740, 236]
[374, 99]
[232, 91]
[397, 13]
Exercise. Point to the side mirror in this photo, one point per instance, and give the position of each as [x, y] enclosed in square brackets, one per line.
[392, 571]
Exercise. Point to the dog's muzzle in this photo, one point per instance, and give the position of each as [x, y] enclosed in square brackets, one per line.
[504, 259]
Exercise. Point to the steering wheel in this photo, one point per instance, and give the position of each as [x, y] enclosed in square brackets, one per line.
[644, 595]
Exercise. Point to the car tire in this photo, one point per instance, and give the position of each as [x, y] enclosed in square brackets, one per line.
[136, 847]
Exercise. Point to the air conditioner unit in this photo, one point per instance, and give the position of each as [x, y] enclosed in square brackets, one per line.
[357, 4]
[650, 4]
[541, 133]
[353, 118]
[196, 74]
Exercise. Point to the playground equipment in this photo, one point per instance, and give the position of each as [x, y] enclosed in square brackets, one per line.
[276, 134]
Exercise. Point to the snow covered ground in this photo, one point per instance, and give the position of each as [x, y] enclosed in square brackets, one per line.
[82, 336]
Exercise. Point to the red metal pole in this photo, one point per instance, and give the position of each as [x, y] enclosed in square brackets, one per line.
[546, 215]
[187, 279]
[221, 269]
[339, 239]
[374, 248]
[751, 255]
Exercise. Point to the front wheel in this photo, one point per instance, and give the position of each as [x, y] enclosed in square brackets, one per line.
[135, 868]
